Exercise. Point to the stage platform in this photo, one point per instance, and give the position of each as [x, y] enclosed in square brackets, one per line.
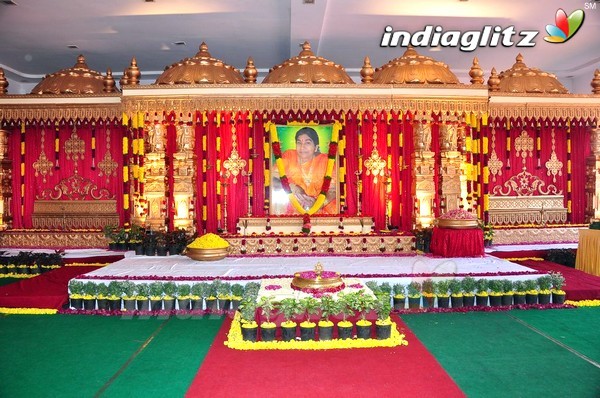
[393, 269]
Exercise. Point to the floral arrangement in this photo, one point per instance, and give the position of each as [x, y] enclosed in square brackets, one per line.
[209, 241]
[313, 274]
[458, 214]
[285, 184]
[306, 223]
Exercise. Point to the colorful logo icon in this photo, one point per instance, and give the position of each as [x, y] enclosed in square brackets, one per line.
[565, 27]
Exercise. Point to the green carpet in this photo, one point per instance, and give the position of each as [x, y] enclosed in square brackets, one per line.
[87, 356]
[497, 354]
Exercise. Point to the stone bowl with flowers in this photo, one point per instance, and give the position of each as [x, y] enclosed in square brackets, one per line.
[209, 247]
[458, 219]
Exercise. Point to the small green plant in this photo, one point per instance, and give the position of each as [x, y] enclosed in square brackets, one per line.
[267, 305]
[183, 291]
[102, 290]
[248, 311]
[507, 286]
[223, 290]
[383, 308]
[309, 306]
[289, 307]
[414, 289]
[373, 285]
[156, 290]
[428, 286]
[558, 281]
[399, 290]
[545, 283]
[76, 288]
[128, 289]
[199, 290]
[482, 285]
[495, 286]
[386, 289]
[213, 288]
[142, 290]
[90, 289]
[455, 287]
[169, 288]
[329, 307]
[114, 290]
[441, 287]
[519, 287]
[347, 303]
[366, 303]
[237, 291]
[468, 285]
[531, 286]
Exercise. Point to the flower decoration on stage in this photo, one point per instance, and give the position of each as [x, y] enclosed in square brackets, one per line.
[209, 241]
[458, 214]
[272, 287]
[285, 184]
[306, 223]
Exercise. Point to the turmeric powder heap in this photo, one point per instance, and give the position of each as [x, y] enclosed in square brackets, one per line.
[209, 241]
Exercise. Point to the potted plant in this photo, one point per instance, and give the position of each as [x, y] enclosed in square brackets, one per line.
[531, 289]
[267, 328]
[237, 291]
[481, 295]
[101, 296]
[329, 308]
[488, 234]
[383, 324]
[428, 293]
[210, 297]
[224, 296]
[89, 296]
[199, 292]
[545, 292]
[121, 238]
[308, 306]
[129, 295]
[365, 304]
[176, 240]
[114, 296]
[169, 290]
[161, 243]
[414, 295]
[385, 289]
[136, 237]
[288, 307]
[495, 286]
[399, 298]
[248, 320]
[507, 292]
[456, 293]
[441, 288]
[149, 243]
[468, 288]
[156, 296]
[558, 294]
[520, 292]
[142, 291]
[346, 306]
[76, 293]
[110, 234]
[183, 295]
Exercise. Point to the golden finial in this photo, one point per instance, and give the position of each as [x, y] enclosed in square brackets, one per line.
[318, 270]
[109, 82]
[494, 81]
[476, 72]
[250, 72]
[596, 82]
[133, 73]
[124, 81]
[3, 82]
[367, 72]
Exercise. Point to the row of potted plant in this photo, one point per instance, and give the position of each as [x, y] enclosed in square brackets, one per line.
[147, 241]
[469, 292]
[26, 262]
[320, 319]
[128, 296]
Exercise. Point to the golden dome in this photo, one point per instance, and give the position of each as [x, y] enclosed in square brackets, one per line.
[309, 69]
[79, 79]
[413, 68]
[202, 68]
[522, 79]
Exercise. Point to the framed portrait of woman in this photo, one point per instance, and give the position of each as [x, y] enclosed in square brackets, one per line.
[304, 170]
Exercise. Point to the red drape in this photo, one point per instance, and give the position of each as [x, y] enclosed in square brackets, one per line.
[108, 137]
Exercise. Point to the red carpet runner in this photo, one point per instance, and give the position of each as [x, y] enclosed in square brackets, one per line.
[48, 290]
[578, 284]
[405, 371]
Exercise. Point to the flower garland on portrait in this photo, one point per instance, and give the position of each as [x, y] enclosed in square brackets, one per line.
[285, 184]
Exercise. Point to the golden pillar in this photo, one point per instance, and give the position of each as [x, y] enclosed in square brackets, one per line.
[451, 160]
[592, 186]
[156, 172]
[423, 162]
[183, 173]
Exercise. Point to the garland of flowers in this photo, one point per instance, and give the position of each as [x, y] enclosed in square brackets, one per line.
[285, 184]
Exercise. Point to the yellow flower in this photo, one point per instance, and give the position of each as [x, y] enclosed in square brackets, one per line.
[209, 241]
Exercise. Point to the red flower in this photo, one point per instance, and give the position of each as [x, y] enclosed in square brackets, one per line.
[276, 149]
[285, 184]
[332, 150]
[326, 185]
